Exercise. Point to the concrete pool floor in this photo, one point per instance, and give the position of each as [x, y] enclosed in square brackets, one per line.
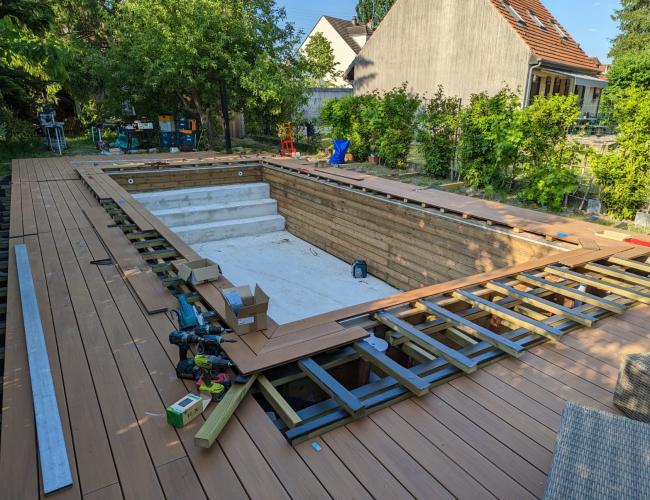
[302, 280]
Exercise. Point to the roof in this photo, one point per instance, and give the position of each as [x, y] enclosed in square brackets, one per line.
[347, 29]
[546, 43]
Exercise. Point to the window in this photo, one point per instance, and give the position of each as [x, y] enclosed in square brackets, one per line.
[596, 95]
[537, 20]
[557, 28]
[513, 12]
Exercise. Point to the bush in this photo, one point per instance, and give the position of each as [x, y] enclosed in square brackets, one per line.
[624, 173]
[489, 140]
[547, 158]
[375, 124]
[436, 134]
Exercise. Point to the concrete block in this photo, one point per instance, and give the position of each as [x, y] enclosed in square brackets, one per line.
[203, 214]
[642, 219]
[212, 195]
[213, 231]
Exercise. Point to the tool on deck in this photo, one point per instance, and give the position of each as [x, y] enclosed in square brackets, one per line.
[213, 380]
[186, 314]
[207, 340]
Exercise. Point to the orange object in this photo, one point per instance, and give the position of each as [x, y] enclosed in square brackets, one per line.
[287, 147]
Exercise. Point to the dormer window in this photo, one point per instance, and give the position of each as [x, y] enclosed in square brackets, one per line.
[513, 12]
[557, 28]
[537, 20]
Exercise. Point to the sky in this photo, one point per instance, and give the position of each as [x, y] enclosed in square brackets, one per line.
[588, 21]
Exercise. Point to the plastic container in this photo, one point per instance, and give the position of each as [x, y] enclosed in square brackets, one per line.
[167, 139]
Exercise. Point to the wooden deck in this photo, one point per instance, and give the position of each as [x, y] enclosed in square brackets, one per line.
[489, 434]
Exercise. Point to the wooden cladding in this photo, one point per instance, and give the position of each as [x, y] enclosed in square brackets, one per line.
[405, 246]
[188, 177]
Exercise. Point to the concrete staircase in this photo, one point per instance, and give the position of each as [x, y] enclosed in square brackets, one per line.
[216, 213]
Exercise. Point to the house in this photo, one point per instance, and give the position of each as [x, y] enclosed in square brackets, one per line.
[471, 46]
[347, 39]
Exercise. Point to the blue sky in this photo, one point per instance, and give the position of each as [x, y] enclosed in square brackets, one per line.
[588, 21]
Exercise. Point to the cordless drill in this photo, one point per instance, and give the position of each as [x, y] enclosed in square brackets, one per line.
[213, 380]
[207, 343]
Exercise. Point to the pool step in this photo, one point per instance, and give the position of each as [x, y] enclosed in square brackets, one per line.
[221, 230]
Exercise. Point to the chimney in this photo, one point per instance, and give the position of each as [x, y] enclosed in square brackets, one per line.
[355, 21]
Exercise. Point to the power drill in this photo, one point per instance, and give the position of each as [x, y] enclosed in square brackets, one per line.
[213, 380]
[207, 343]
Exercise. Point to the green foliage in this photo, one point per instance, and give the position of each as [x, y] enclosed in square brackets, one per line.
[373, 10]
[630, 69]
[624, 173]
[320, 61]
[634, 25]
[489, 140]
[165, 52]
[375, 124]
[436, 134]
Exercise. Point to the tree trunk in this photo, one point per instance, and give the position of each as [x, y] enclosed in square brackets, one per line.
[206, 123]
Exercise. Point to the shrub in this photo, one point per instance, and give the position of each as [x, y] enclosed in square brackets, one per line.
[624, 173]
[489, 140]
[375, 124]
[547, 158]
[436, 134]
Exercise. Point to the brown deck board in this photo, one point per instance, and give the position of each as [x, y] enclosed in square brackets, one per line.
[485, 435]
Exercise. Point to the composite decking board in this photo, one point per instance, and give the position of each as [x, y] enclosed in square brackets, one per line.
[19, 474]
[54, 458]
[389, 427]
[162, 440]
[483, 443]
[94, 459]
[15, 211]
[132, 459]
[27, 208]
[288, 466]
[369, 471]
[40, 213]
[411, 474]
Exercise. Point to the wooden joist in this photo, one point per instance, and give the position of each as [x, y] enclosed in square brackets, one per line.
[508, 315]
[404, 376]
[332, 387]
[546, 305]
[572, 293]
[478, 331]
[618, 273]
[417, 353]
[629, 293]
[430, 344]
[210, 430]
[279, 404]
[630, 264]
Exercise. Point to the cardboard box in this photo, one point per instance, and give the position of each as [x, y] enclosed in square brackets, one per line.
[248, 314]
[199, 271]
[184, 410]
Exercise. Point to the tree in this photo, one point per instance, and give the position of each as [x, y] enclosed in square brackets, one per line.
[634, 24]
[624, 173]
[165, 52]
[631, 69]
[373, 10]
[319, 57]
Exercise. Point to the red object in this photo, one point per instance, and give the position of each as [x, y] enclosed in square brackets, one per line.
[287, 147]
[636, 241]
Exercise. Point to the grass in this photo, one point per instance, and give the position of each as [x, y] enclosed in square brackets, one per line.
[78, 145]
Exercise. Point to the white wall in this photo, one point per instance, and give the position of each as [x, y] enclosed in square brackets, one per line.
[343, 54]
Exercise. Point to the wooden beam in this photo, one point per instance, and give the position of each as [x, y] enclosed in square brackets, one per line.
[596, 283]
[416, 352]
[452, 356]
[631, 264]
[461, 338]
[511, 316]
[52, 452]
[478, 331]
[541, 303]
[404, 376]
[618, 273]
[572, 293]
[279, 404]
[332, 387]
[210, 430]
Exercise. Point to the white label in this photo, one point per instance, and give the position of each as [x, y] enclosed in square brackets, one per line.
[246, 321]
